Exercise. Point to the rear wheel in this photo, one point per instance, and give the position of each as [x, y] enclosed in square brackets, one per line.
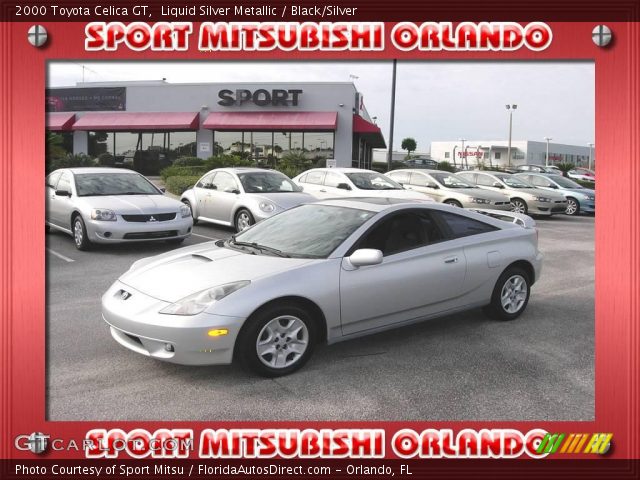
[243, 219]
[573, 207]
[510, 295]
[277, 341]
[188, 204]
[519, 206]
[453, 203]
[80, 238]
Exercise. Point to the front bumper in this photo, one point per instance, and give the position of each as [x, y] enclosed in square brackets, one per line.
[547, 208]
[587, 206]
[123, 231]
[136, 324]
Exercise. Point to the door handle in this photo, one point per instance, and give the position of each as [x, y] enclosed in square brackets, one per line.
[451, 260]
[323, 190]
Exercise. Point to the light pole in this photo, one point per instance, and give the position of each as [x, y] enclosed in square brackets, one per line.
[591, 145]
[463, 150]
[511, 108]
[393, 111]
[546, 162]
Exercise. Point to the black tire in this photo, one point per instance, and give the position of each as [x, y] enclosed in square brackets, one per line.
[573, 207]
[453, 203]
[246, 348]
[47, 228]
[175, 241]
[243, 216]
[496, 309]
[519, 206]
[79, 232]
[188, 204]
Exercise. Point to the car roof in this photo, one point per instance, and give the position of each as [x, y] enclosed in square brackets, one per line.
[76, 170]
[341, 169]
[243, 170]
[373, 204]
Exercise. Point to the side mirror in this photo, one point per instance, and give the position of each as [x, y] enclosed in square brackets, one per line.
[551, 185]
[236, 191]
[365, 256]
[433, 185]
[211, 186]
[497, 185]
[63, 193]
[164, 190]
[343, 186]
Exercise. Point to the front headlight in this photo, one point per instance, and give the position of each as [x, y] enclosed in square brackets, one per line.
[185, 211]
[103, 214]
[543, 199]
[590, 197]
[478, 200]
[198, 302]
[267, 207]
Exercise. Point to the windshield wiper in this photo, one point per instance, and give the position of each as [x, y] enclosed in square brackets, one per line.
[257, 246]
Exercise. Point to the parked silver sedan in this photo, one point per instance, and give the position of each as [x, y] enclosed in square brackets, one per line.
[322, 272]
[112, 205]
[525, 198]
[448, 188]
[240, 197]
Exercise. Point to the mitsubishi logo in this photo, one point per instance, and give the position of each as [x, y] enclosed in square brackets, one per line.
[124, 295]
[152, 219]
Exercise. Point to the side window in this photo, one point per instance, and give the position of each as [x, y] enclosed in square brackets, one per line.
[315, 178]
[539, 181]
[65, 182]
[419, 180]
[400, 177]
[225, 182]
[303, 178]
[469, 177]
[461, 226]
[402, 232]
[205, 182]
[52, 179]
[333, 179]
[485, 180]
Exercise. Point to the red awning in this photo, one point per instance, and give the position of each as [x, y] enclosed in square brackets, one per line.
[136, 121]
[267, 121]
[60, 121]
[369, 131]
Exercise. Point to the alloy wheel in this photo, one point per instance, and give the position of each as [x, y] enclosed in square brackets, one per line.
[513, 294]
[282, 341]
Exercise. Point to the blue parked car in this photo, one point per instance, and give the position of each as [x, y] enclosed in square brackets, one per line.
[579, 198]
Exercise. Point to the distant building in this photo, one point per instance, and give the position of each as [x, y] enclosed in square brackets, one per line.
[494, 152]
[381, 155]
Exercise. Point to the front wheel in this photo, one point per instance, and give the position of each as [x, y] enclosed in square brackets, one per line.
[573, 207]
[453, 203]
[188, 204]
[510, 295]
[519, 206]
[80, 237]
[277, 341]
[243, 220]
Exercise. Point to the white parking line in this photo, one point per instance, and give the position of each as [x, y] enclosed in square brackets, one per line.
[204, 236]
[59, 255]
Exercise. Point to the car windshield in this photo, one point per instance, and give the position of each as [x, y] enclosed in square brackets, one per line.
[266, 182]
[372, 181]
[451, 181]
[564, 182]
[309, 231]
[100, 184]
[514, 182]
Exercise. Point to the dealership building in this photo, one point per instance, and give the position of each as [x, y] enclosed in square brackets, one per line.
[260, 121]
[495, 153]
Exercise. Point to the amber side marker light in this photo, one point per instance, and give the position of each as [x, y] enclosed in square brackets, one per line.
[218, 332]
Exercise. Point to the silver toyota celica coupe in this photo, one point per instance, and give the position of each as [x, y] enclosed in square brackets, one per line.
[322, 272]
[112, 205]
[240, 197]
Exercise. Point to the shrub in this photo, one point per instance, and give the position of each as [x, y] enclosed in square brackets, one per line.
[223, 161]
[565, 167]
[106, 160]
[177, 185]
[188, 162]
[69, 161]
[381, 167]
[293, 164]
[446, 166]
[177, 171]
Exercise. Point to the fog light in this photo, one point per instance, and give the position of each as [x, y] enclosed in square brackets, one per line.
[107, 234]
[218, 332]
[168, 347]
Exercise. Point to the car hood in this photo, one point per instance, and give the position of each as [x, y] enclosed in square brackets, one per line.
[584, 191]
[285, 200]
[182, 272]
[482, 193]
[134, 204]
[538, 192]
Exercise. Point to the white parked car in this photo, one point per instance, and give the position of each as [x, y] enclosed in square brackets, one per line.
[353, 182]
[112, 205]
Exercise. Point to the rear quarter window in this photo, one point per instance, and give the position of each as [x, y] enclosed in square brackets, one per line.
[461, 226]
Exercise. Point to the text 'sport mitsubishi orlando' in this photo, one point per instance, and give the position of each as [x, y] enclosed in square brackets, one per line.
[112, 205]
[322, 272]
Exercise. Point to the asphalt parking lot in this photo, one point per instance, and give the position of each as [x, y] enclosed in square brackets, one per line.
[461, 367]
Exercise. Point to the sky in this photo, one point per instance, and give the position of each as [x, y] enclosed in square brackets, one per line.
[435, 101]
